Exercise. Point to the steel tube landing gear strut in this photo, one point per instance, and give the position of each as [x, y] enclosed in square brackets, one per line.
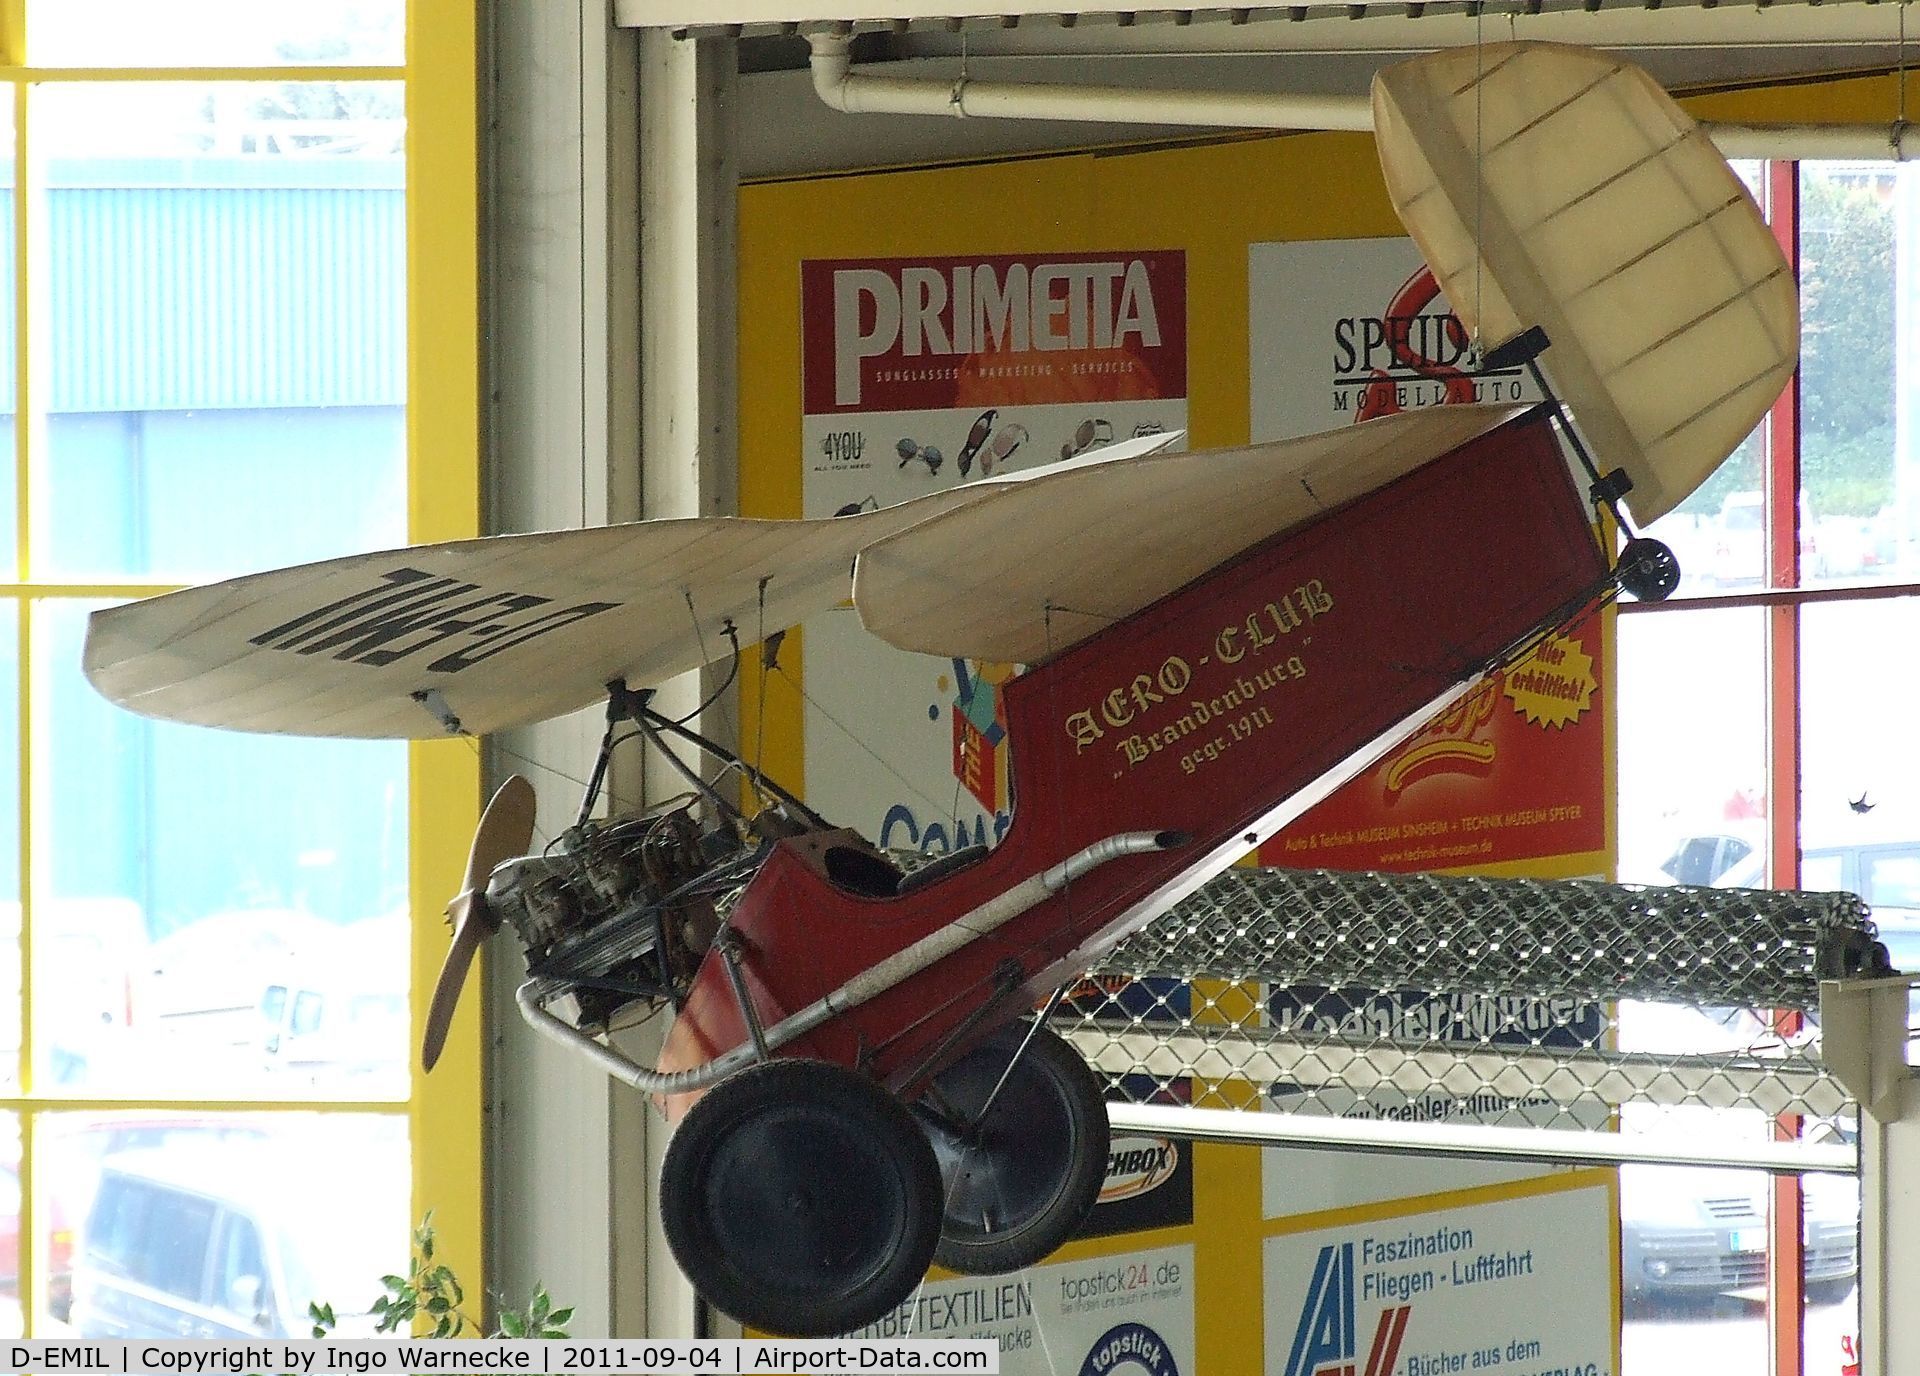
[1021, 1175]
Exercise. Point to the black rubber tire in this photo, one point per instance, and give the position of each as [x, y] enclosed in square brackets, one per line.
[1648, 570]
[801, 1198]
[1032, 1171]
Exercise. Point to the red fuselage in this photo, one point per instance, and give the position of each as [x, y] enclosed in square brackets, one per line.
[1222, 712]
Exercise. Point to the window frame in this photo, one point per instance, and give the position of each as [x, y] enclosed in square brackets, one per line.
[1781, 596]
[440, 79]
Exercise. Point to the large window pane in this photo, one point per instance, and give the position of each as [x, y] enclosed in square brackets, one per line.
[1718, 532]
[225, 318]
[1692, 808]
[1860, 764]
[246, 896]
[1860, 497]
[1693, 1259]
[9, 402]
[201, 33]
[10, 988]
[217, 1225]
[1692, 734]
[12, 1319]
[1860, 756]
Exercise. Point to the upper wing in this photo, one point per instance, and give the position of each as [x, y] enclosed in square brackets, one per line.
[1561, 187]
[996, 579]
[497, 632]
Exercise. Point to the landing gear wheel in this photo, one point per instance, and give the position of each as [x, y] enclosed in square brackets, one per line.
[1020, 1181]
[1648, 570]
[801, 1198]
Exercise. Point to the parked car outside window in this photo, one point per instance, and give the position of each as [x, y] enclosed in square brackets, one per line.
[220, 1244]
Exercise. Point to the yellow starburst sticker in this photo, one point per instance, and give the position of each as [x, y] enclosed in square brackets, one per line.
[1554, 685]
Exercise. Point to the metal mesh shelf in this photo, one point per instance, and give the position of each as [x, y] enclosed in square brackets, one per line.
[1573, 1005]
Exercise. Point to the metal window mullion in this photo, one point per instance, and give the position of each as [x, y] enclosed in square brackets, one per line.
[1786, 1271]
[201, 75]
[40, 1103]
[27, 1251]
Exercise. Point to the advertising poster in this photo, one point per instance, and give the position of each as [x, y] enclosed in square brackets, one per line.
[1410, 1057]
[1517, 770]
[1129, 1313]
[1502, 1285]
[1295, 1181]
[919, 375]
[1343, 330]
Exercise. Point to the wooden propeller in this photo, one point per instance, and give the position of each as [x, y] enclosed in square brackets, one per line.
[505, 831]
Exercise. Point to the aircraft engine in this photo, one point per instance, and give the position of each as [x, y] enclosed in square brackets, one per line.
[622, 910]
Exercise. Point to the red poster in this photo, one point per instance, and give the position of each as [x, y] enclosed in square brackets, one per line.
[1516, 771]
[919, 334]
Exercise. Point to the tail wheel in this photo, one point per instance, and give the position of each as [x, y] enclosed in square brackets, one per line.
[1021, 1178]
[1648, 570]
[801, 1198]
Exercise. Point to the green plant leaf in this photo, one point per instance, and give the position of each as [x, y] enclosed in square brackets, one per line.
[512, 1324]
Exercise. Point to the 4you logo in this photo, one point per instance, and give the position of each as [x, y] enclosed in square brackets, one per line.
[1324, 1340]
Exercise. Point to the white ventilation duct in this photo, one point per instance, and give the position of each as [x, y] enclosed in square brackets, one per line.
[964, 98]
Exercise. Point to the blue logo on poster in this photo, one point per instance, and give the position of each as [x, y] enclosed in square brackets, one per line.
[1129, 1347]
[1324, 1339]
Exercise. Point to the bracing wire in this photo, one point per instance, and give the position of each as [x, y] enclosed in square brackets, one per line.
[854, 736]
[1479, 183]
[760, 704]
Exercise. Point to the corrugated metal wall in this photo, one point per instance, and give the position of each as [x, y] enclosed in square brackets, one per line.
[189, 296]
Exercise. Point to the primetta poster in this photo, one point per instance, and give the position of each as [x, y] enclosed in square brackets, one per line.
[921, 374]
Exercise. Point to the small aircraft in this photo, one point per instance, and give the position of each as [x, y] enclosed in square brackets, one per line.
[1220, 640]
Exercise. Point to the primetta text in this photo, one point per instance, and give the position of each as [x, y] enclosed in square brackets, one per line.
[973, 308]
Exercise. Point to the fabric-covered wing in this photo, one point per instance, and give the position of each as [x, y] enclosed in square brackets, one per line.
[497, 632]
[1000, 579]
[1561, 187]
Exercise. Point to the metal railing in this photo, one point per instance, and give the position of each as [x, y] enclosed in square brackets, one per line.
[1605, 1021]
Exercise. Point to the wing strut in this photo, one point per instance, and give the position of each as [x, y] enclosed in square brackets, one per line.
[1646, 567]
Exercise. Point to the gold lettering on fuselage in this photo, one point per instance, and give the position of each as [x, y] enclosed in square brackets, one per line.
[1149, 712]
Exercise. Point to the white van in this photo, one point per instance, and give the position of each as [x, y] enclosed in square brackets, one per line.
[227, 1241]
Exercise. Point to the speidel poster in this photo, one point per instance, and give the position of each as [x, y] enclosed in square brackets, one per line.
[1127, 1314]
[1342, 331]
[919, 375]
[1511, 1287]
